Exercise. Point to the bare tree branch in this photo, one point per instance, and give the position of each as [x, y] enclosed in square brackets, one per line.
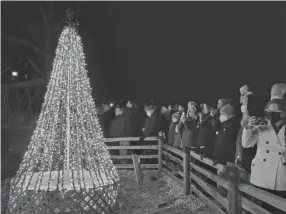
[46, 20]
[23, 42]
[11, 66]
[39, 71]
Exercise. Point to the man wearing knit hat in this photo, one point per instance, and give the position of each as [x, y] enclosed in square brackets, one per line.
[152, 122]
[278, 91]
[225, 144]
[222, 102]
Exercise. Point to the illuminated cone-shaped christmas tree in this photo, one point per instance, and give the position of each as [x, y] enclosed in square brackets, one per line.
[67, 167]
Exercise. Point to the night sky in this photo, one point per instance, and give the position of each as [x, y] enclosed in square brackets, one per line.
[173, 51]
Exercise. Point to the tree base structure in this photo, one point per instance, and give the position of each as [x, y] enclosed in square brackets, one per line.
[91, 196]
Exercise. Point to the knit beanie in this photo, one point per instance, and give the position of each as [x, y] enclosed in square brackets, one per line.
[228, 110]
[278, 90]
[225, 101]
[149, 107]
[177, 115]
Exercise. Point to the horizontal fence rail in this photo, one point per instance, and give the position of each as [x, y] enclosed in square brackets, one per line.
[130, 139]
[123, 158]
[218, 185]
[221, 187]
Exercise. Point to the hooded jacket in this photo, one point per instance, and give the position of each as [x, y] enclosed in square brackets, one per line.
[189, 131]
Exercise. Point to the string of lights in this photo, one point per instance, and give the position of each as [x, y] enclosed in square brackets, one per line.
[67, 159]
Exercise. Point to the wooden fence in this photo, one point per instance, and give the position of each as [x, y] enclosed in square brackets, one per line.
[221, 187]
[199, 176]
[125, 143]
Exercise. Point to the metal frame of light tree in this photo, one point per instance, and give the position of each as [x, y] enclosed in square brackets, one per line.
[67, 155]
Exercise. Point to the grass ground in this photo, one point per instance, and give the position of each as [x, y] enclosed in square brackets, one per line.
[156, 192]
[158, 195]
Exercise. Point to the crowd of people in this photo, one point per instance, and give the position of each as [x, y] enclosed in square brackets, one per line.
[256, 144]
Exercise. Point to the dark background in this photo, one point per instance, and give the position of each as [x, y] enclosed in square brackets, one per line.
[172, 51]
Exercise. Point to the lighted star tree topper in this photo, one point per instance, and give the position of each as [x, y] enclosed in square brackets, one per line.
[67, 167]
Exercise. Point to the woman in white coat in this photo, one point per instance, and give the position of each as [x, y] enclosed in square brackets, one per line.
[268, 168]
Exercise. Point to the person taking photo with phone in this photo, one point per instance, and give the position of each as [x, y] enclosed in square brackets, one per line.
[268, 168]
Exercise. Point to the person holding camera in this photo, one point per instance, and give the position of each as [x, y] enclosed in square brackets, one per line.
[224, 146]
[244, 156]
[268, 168]
[188, 127]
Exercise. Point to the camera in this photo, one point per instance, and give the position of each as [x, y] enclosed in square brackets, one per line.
[262, 121]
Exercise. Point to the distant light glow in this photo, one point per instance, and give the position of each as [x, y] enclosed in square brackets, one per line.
[14, 73]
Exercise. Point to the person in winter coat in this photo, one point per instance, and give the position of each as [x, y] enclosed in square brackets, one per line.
[151, 127]
[206, 132]
[105, 115]
[215, 112]
[268, 169]
[117, 126]
[188, 128]
[222, 102]
[178, 136]
[181, 109]
[224, 148]
[152, 122]
[244, 156]
[134, 120]
[118, 123]
[165, 121]
[168, 112]
[172, 128]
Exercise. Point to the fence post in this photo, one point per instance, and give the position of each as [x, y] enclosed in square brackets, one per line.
[233, 194]
[187, 171]
[137, 170]
[160, 154]
[124, 151]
